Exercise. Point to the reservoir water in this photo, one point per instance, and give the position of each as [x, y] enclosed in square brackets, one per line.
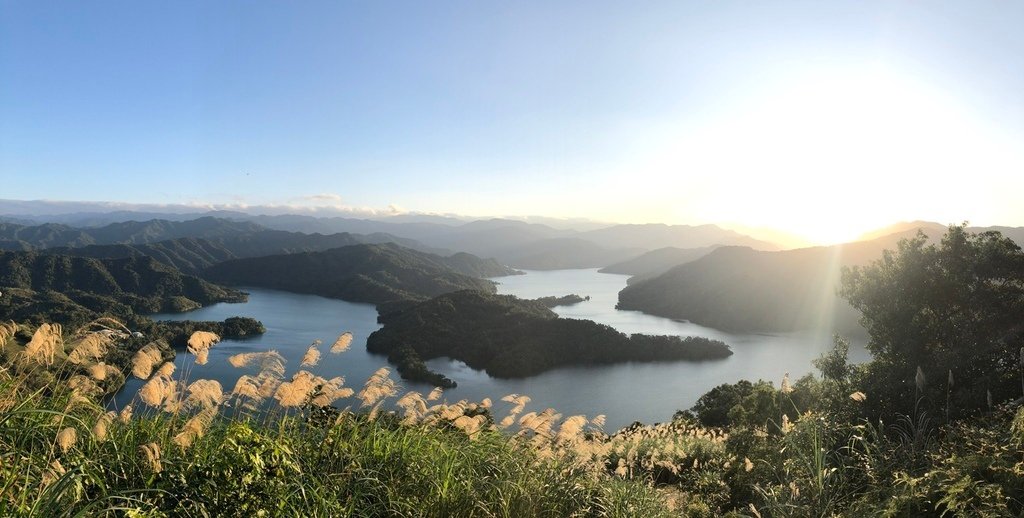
[647, 392]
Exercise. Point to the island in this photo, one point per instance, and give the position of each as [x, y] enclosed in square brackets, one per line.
[509, 337]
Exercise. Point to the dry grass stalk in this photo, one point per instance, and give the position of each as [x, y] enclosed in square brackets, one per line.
[330, 391]
[786, 388]
[312, 357]
[83, 387]
[270, 362]
[414, 407]
[342, 343]
[158, 391]
[435, 394]
[145, 359]
[43, 346]
[150, 453]
[204, 394]
[99, 430]
[201, 340]
[53, 472]
[471, 426]
[89, 348]
[195, 427]
[787, 426]
[296, 392]
[67, 438]
[101, 371]
[248, 387]
[126, 414]
[377, 387]
[200, 343]
[166, 370]
[7, 331]
[571, 428]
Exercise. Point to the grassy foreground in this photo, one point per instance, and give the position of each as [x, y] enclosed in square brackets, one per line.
[277, 444]
[193, 450]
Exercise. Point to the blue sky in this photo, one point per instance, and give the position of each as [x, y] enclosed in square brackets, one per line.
[784, 114]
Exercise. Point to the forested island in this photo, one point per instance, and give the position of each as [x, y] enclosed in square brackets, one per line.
[511, 337]
[565, 300]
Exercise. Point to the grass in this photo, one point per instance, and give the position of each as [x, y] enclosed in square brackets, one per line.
[283, 460]
[294, 444]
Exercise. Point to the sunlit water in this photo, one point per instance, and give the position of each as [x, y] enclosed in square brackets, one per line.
[647, 392]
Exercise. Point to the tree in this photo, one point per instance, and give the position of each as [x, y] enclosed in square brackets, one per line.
[957, 306]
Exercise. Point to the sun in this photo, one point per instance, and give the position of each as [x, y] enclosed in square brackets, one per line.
[829, 156]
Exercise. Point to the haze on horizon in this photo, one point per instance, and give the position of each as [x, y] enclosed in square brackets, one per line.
[820, 119]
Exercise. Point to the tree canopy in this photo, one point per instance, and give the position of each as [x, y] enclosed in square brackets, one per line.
[954, 309]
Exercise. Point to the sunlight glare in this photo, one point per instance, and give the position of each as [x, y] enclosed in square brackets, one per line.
[835, 155]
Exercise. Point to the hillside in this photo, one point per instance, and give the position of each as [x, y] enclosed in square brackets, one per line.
[65, 289]
[511, 337]
[656, 262]
[376, 273]
[193, 255]
[655, 235]
[50, 235]
[744, 290]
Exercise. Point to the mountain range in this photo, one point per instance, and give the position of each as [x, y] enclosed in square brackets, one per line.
[516, 243]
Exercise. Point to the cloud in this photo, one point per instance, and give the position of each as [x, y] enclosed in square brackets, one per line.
[325, 197]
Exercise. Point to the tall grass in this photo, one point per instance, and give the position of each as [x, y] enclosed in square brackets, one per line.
[277, 447]
[287, 442]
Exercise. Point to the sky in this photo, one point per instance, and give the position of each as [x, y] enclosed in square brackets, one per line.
[823, 119]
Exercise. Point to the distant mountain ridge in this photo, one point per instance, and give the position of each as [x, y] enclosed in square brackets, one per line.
[517, 243]
[374, 273]
[656, 262]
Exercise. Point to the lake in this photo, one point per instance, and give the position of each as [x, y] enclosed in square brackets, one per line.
[647, 392]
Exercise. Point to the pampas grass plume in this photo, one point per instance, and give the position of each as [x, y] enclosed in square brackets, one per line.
[312, 357]
[342, 343]
[67, 438]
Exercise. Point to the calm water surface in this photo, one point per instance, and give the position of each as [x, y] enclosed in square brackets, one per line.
[647, 392]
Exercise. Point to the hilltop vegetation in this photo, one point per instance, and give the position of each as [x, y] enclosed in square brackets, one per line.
[511, 337]
[361, 273]
[75, 290]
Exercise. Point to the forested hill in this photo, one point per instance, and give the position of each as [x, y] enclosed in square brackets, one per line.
[657, 262]
[60, 288]
[512, 337]
[374, 273]
[23, 237]
[190, 246]
[192, 255]
[745, 290]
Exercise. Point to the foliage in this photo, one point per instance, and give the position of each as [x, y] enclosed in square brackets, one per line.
[376, 274]
[952, 311]
[511, 337]
[565, 300]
